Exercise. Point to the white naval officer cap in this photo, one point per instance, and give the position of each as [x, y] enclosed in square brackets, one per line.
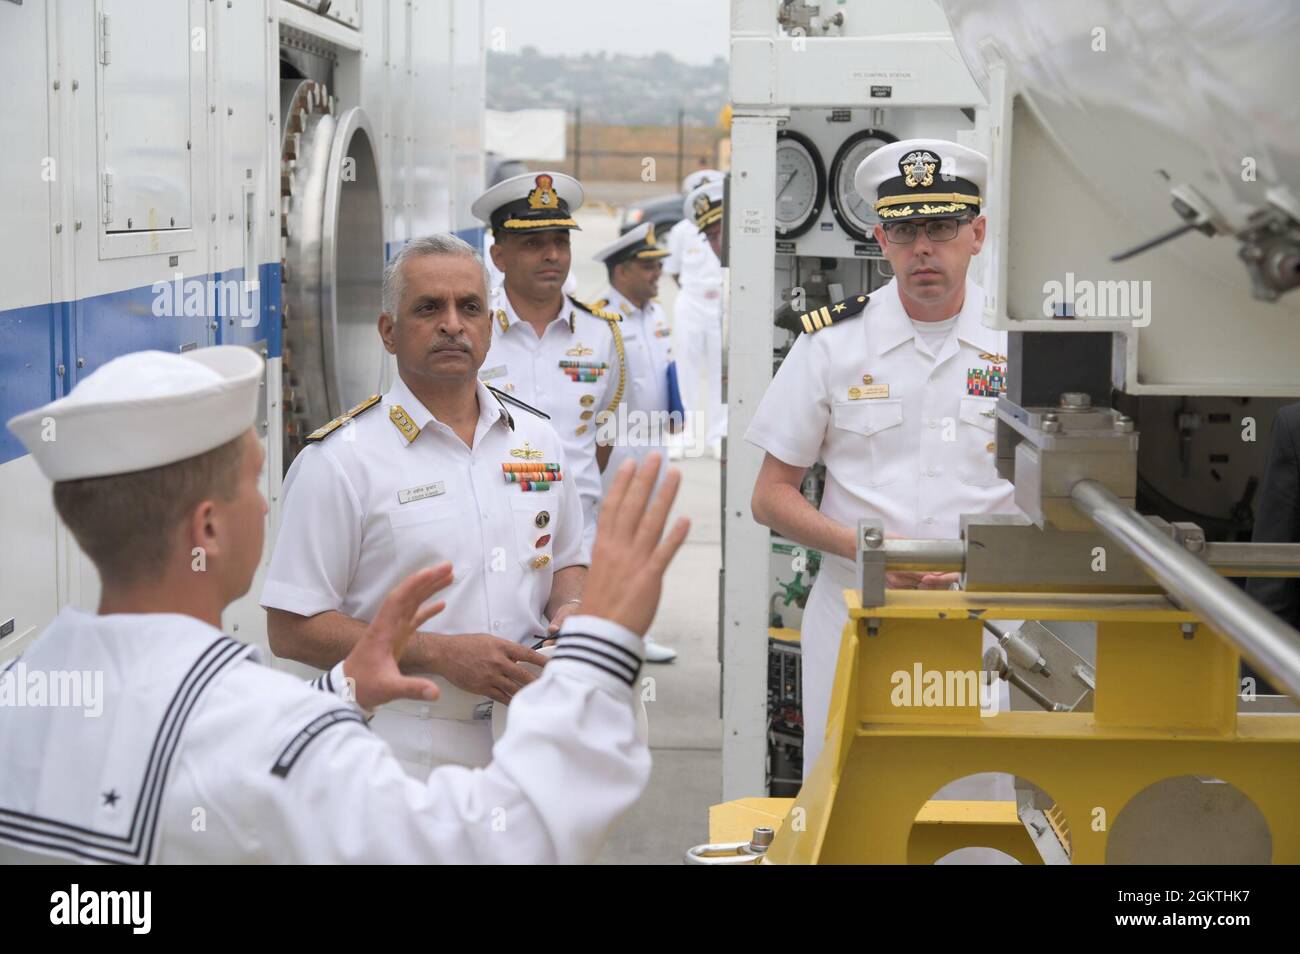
[144, 409]
[697, 178]
[639, 242]
[703, 205]
[532, 202]
[922, 178]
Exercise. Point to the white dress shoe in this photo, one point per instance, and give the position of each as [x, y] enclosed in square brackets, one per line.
[656, 653]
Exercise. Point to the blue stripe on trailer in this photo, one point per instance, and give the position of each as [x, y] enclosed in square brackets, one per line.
[36, 339]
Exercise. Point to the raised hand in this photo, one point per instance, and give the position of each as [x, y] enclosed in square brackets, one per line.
[371, 667]
[631, 552]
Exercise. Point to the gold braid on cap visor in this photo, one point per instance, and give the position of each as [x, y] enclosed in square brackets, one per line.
[538, 223]
[927, 197]
[708, 218]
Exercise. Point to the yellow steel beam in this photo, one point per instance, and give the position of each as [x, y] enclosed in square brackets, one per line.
[1165, 707]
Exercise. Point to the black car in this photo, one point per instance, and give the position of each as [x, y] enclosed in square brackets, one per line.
[663, 212]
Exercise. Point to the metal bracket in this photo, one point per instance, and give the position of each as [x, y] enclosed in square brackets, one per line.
[871, 561]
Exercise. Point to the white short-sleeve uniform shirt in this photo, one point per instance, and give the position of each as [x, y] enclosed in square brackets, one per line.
[571, 372]
[906, 435]
[395, 491]
[647, 341]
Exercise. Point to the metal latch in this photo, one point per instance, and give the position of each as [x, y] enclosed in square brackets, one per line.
[732, 852]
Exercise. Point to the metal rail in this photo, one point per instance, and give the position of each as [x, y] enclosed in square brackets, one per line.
[1269, 644]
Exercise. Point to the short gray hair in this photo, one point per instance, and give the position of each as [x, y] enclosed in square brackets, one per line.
[440, 243]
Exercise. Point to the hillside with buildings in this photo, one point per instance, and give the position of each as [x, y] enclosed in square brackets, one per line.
[609, 90]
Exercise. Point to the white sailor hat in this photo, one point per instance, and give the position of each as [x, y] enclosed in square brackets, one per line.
[703, 205]
[697, 178]
[921, 179]
[142, 410]
[532, 202]
[639, 243]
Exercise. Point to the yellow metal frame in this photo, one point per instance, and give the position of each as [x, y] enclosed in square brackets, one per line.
[1165, 706]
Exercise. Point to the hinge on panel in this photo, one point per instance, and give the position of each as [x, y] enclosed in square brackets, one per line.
[104, 56]
[108, 198]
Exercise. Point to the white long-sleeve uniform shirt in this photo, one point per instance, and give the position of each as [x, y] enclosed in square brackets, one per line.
[641, 423]
[572, 372]
[194, 752]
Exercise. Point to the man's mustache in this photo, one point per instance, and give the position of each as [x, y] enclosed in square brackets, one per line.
[455, 344]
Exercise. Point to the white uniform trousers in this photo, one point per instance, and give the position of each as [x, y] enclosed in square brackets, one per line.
[423, 740]
[697, 349]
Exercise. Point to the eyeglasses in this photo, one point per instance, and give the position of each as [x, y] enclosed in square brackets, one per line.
[936, 230]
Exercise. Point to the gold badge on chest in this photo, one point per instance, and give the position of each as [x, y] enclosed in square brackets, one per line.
[864, 392]
[527, 452]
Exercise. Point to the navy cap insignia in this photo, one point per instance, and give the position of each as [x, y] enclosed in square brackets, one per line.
[544, 196]
[917, 168]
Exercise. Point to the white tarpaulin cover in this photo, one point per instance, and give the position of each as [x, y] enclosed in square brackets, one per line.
[526, 133]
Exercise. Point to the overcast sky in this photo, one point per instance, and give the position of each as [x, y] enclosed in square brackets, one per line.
[694, 31]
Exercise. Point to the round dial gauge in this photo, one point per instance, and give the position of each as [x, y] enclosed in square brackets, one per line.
[800, 184]
[855, 214]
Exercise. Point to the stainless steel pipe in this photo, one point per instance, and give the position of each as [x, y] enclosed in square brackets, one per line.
[1226, 559]
[1270, 645]
[933, 556]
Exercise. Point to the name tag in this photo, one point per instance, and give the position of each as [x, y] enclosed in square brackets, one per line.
[861, 392]
[487, 374]
[412, 494]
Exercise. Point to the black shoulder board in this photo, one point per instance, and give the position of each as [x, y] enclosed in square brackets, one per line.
[325, 430]
[828, 315]
[510, 399]
[597, 310]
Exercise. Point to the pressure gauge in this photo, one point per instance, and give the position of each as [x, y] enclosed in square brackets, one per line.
[856, 215]
[800, 184]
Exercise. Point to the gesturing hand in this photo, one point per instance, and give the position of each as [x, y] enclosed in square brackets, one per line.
[372, 665]
[631, 553]
[486, 665]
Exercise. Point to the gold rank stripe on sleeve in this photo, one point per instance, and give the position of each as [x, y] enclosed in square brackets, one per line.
[828, 315]
[402, 421]
[325, 430]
